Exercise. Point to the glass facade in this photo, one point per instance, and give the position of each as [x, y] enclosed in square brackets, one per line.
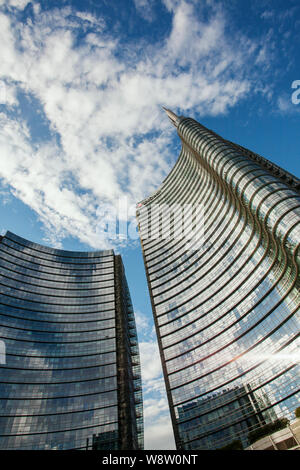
[71, 374]
[224, 288]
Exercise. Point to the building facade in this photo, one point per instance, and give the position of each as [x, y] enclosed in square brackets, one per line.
[71, 375]
[220, 240]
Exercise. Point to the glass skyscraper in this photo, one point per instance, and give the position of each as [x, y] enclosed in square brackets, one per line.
[71, 374]
[220, 240]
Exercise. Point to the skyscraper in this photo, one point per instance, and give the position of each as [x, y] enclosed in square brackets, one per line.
[220, 240]
[71, 375]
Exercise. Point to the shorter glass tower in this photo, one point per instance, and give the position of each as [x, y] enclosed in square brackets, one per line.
[70, 378]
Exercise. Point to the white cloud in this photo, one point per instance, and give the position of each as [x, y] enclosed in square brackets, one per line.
[109, 138]
[159, 434]
[142, 323]
[190, 39]
[153, 407]
[145, 9]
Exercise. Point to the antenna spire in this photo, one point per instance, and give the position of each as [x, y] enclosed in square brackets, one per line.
[172, 116]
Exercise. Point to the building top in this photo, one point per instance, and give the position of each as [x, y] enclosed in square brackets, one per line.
[56, 251]
[172, 116]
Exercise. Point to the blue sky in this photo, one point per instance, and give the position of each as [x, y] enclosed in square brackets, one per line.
[82, 128]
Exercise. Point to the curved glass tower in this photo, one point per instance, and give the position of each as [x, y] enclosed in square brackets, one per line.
[70, 378]
[220, 240]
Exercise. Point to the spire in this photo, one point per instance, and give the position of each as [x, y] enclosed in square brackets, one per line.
[172, 116]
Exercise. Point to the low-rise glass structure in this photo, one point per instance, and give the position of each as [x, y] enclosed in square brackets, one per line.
[71, 375]
[220, 239]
